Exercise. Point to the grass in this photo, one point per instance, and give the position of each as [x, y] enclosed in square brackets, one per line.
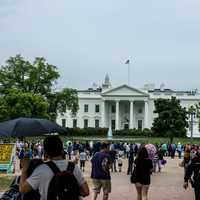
[153, 140]
[5, 182]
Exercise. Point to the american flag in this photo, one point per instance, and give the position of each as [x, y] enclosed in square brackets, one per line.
[127, 62]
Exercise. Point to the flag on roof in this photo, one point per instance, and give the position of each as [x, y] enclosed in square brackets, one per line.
[127, 62]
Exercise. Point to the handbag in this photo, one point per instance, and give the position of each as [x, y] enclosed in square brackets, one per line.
[163, 162]
[133, 175]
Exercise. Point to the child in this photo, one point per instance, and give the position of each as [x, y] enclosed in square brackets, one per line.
[120, 163]
[83, 158]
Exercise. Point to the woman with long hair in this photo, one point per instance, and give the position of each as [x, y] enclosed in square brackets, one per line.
[143, 172]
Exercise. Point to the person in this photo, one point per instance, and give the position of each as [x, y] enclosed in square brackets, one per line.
[164, 149]
[130, 162]
[83, 158]
[120, 163]
[101, 163]
[186, 157]
[160, 158]
[69, 150]
[143, 170]
[179, 150]
[113, 155]
[42, 175]
[192, 171]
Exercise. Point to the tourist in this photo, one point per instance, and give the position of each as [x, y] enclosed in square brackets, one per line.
[42, 175]
[83, 158]
[186, 158]
[100, 172]
[143, 170]
[69, 150]
[113, 156]
[192, 174]
[120, 163]
[130, 162]
[179, 150]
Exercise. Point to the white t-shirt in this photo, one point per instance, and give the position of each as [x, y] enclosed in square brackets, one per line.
[83, 156]
[42, 176]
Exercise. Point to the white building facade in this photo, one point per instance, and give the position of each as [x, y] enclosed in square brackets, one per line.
[123, 107]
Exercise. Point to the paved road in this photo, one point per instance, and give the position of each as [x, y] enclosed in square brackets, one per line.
[166, 185]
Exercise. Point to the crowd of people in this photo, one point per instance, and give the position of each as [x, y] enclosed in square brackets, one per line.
[55, 157]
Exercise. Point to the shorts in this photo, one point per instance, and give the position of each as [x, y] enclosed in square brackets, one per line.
[104, 184]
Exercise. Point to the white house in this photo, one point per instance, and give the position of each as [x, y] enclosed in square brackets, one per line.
[123, 107]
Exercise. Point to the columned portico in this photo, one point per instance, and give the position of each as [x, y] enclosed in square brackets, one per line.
[117, 115]
[146, 109]
[131, 115]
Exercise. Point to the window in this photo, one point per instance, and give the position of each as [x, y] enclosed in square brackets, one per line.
[97, 108]
[139, 124]
[113, 124]
[140, 110]
[63, 122]
[126, 126]
[96, 123]
[86, 108]
[113, 109]
[74, 123]
[85, 123]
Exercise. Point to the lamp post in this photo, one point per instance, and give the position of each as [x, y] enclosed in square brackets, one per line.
[192, 115]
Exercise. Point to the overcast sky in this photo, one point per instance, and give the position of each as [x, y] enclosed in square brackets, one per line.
[86, 39]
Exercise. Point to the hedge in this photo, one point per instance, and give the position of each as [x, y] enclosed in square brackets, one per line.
[103, 132]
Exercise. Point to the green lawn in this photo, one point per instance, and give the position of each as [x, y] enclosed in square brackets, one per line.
[135, 139]
[5, 182]
[153, 140]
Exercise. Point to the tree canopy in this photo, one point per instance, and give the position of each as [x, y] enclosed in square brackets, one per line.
[24, 84]
[171, 120]
[22, 104]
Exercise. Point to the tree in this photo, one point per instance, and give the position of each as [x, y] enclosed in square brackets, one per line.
[17, 103]
[39, 78]
[60, 101]
[171, 120]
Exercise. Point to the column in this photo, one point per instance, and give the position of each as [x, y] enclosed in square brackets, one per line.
[117, 115]
[146, 114]
[103, 114]
[131, 115]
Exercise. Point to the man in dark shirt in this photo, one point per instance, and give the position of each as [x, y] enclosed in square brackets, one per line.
[101, 172]
[193, 168]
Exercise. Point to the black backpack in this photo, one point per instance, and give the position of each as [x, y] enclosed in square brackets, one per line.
[63, 185]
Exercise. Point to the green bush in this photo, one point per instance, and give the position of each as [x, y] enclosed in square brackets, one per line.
[134, 132]
[87, 131]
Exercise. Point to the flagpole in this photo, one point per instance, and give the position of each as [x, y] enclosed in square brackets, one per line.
[129, 69]
[128, 73]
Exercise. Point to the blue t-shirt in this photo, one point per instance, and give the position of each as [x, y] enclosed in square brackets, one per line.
[100, 166]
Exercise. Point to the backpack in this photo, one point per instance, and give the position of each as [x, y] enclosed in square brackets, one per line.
[63, 185]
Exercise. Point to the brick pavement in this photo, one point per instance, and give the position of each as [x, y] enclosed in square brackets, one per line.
[166, 185]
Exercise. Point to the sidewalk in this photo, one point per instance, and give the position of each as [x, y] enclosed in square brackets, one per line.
[166, 185]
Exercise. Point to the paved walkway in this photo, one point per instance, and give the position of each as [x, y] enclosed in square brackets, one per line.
[166, 185]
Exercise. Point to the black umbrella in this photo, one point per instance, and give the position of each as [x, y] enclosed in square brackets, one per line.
[29, 127]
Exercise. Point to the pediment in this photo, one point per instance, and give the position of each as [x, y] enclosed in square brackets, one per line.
[124, 90]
